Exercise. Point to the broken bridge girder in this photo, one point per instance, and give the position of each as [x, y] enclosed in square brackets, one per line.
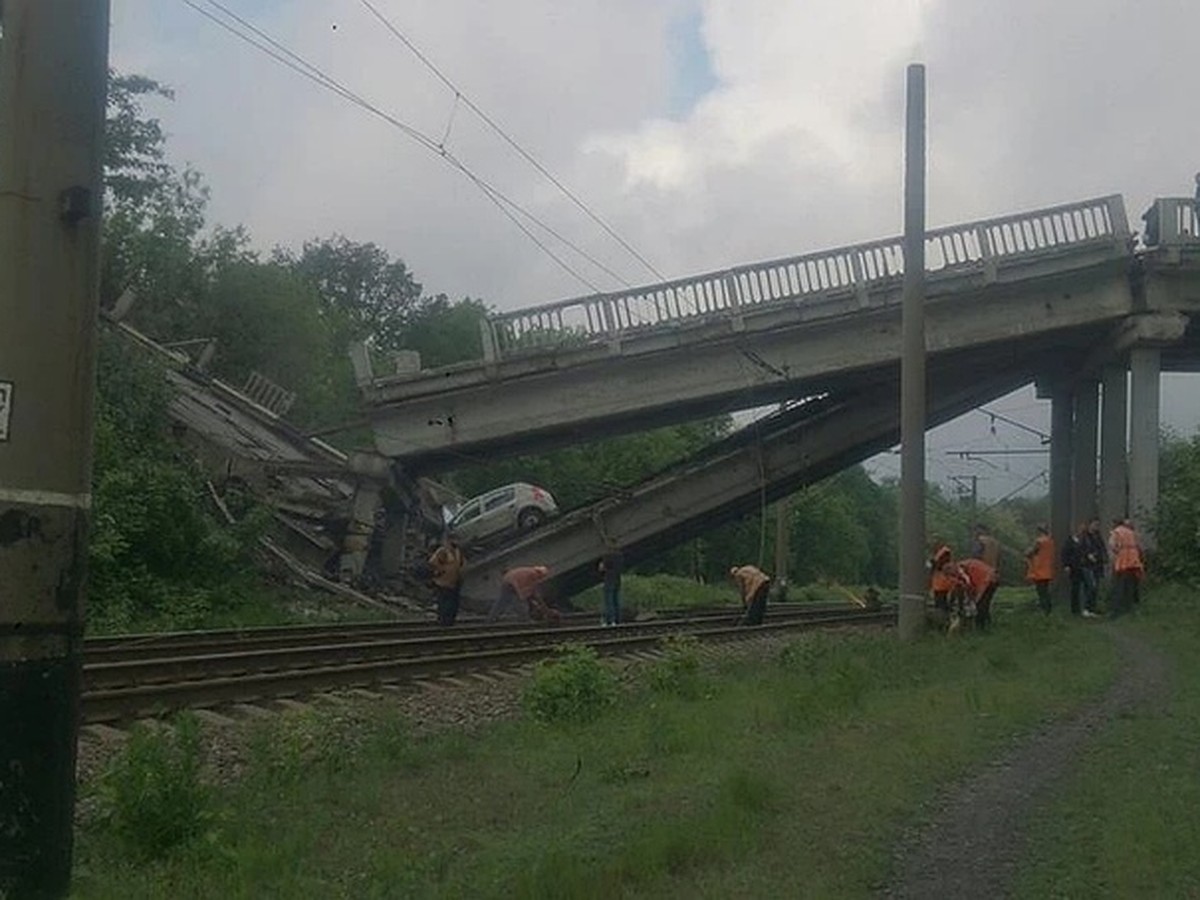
[794, 450]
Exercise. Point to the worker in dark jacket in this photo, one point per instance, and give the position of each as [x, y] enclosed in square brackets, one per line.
[1096, 560]
[986, 547]
[1073, 563]
[611, 567]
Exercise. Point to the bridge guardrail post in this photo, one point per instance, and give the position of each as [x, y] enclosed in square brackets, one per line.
[614, 326]
[1118, 220]
[487, 340]
[861, 291]
[986, 253]
[733, 292]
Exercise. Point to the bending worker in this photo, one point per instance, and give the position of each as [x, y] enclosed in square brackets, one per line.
[446, 565]
[753, 584]
[520, 587]
[980, 581]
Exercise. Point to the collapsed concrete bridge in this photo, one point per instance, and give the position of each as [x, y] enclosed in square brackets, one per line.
[1060, 296]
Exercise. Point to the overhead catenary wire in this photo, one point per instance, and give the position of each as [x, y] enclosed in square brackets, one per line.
[509, 207]
[1000, 417]
[507, 138]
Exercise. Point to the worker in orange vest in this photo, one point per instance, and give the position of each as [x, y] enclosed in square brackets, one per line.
[941, 580]
[1040, 566]
[446, 566]
[1126, 554]
[978, 581]
[519, 586]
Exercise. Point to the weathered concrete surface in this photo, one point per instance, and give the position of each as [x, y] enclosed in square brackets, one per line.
[785, 351]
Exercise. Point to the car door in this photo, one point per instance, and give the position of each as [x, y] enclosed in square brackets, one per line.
[497, 514]
[465, 524]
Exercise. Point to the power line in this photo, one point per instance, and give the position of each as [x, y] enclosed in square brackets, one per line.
[315, 74]
[285, 56]
[1017, 490]
[1016, 451]
[491, 123]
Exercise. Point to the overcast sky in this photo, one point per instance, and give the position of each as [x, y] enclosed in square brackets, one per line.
[706, 132]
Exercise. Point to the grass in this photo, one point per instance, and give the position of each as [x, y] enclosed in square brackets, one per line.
[1127, 823]
[790, 775]
[261, 604]
[646, 593]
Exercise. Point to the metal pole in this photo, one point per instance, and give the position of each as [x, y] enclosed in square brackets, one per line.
[783, 522]
[912, 367]
[53, 72]
[1062, 427]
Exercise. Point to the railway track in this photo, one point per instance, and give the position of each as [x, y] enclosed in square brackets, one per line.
[138, 676]
[126, 647]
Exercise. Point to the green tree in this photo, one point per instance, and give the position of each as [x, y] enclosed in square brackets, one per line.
[1178, 525]
[265, 318]
[135, 168]
[445, 332]
[587, 472]
[157, 553]
[365, 295]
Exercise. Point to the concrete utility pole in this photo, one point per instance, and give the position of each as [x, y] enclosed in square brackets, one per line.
[783, 528]
[912, 367]
[53, 73]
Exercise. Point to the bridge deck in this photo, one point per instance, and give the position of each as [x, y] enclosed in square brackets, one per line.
[751, 335]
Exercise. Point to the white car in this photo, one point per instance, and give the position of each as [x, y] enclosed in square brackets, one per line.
[514, 507]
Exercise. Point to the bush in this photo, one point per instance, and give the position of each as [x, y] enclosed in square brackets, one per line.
[678, 672]
[157, 555]
[153, 797]
[573, 688]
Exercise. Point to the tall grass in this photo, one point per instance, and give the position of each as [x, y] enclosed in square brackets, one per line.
[789, 774]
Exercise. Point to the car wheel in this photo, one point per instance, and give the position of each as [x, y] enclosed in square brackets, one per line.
[530, 519]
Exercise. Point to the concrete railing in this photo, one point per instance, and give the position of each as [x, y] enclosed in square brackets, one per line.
[856, 269]
[1171, 222]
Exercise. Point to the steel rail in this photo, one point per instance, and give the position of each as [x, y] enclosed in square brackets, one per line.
[127, 647]
[129, 702]
[237, 659]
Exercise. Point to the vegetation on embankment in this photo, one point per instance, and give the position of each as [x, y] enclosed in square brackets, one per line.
[649, 593]
[1127, 821]
[791, 772]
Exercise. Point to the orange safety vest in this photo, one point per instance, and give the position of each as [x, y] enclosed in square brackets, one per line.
[978, 575]
[1041, 560]
[1126, 555]
[939, 581]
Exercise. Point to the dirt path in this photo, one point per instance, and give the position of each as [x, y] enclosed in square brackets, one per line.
[976, 840]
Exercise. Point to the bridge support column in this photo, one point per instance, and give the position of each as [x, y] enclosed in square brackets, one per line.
[1087, 415]
[1061, 425]
[357, 543]
[1144, 366]
[1112, 445]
